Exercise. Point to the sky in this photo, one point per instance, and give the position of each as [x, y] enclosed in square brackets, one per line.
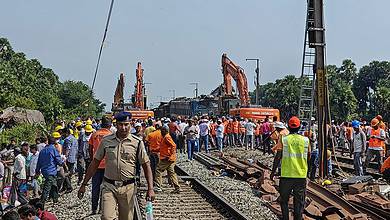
[180, 42]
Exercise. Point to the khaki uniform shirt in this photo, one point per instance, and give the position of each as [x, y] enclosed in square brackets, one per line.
[121, 156]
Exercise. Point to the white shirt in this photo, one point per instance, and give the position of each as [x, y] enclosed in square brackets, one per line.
[1, 171]
[182, 126]
[33, 163]
[41, 146]
[20, 167]
[250, 127]
[219, 131]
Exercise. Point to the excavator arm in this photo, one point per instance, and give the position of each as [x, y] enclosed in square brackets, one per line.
[231, 70]
[139, 90]
[118, 97]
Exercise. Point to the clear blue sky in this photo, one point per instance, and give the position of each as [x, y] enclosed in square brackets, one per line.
[180, 41]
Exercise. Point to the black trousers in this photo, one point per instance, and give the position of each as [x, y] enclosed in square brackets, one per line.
[296, 187]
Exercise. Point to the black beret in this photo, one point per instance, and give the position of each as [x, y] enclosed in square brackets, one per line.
[123, 116]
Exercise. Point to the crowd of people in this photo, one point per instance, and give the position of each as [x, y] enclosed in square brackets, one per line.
[112, 151]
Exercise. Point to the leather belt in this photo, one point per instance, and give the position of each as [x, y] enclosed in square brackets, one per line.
[119, 183]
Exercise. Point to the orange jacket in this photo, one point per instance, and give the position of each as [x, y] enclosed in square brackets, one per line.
[94, 143]
[225, 125]
[154, 141]
[236, 126]
[168, 148]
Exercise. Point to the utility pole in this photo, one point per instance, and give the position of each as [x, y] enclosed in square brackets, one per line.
[323, 111]
[196, 88]
[257, 71]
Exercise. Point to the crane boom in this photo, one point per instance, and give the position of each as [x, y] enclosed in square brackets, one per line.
[232, 71]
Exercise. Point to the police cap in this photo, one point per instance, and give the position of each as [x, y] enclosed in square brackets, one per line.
[123, 116]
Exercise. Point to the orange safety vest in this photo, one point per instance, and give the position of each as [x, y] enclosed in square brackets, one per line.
[257, 130]
[229, 128]
[213, 126]
[242, 129]
[375, 142]
[236, 126]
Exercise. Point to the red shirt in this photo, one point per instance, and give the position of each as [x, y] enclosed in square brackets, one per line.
[45, 215]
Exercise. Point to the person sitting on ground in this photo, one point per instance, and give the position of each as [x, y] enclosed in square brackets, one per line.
[40, 210]
[28, 212]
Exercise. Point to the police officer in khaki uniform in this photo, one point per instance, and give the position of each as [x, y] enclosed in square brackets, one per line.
[121, 150]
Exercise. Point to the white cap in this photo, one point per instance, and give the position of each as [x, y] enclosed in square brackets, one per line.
[279, 124]
[137, 125]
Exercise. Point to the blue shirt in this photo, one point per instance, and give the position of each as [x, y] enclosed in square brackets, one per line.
[48, 160]
[72, 146]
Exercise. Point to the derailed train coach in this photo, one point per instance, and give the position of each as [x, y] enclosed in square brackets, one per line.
[188, 107]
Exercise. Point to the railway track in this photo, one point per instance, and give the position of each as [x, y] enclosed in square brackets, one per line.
[346, 164]
[197, 201]
[323, 203]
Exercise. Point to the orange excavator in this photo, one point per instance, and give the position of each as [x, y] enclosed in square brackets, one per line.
[137, 107]
[229, 103]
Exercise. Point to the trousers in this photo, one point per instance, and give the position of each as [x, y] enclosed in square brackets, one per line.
[97, 181]
[296, 186]
[169, 166]
[121, 196]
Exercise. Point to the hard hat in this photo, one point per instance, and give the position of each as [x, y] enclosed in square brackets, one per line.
[88, 122]
[374, 122]
[138, 125]
[114, 120]
[56, 134]
[88, 128]
[294, 122]
[327, 182]
[355, 124]
[328, 154]
[71, 131]
[79, 123]
[379, 117]
[58, 127]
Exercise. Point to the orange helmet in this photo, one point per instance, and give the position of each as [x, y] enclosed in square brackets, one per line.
[379, 117]
[374, 122]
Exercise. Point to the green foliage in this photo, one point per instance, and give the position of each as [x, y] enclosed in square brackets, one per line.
[26, 83]
[352, 93]
[283, 95]
[22, 132]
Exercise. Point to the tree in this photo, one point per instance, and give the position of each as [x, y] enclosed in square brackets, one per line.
[283, 95]
[26, 83]
[365, 86]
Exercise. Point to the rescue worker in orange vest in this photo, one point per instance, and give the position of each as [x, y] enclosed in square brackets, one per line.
[294, 156]
[167, 161]
[383, 126]
[385, 169]
[153, 142]
[258, 134]
[376, 144]
[229, 131]
[236, 130]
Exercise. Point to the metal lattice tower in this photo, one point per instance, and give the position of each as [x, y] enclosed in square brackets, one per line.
[306, 99]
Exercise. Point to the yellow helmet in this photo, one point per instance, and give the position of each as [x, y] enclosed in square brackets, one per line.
[88, 128]
[327, 182]
[58, 127]
[56, 134]
[71, 131]
[79, 123]
[89, 122]
[328, 154]
[113, 121]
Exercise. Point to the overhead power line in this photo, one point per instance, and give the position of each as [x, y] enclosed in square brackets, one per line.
[101, 45]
